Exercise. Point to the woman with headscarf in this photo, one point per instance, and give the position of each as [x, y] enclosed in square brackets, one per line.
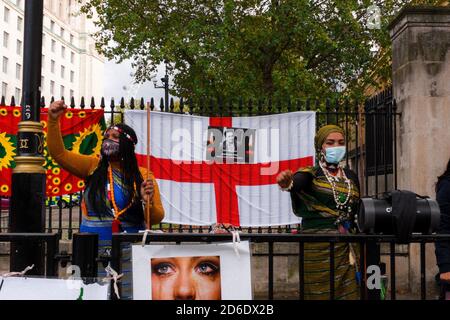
[326, 197]
[117, 189]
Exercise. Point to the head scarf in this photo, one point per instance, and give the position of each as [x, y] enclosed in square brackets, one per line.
[323, 133]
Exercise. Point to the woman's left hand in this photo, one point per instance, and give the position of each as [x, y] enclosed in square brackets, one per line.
[147, 189]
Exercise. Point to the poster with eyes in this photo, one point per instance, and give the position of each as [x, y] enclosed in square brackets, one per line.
[192, 272]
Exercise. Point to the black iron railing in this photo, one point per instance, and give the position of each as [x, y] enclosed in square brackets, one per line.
[370, 129]
[366, 243]
[51, 241]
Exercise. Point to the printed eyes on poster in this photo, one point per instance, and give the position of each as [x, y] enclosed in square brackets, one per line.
[192, 272]
[26, 288]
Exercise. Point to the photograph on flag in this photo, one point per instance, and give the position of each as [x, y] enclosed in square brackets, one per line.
[230, 145]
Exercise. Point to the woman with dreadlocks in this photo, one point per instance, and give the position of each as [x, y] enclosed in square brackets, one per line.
[116, 192]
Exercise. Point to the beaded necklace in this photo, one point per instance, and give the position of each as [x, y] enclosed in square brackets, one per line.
[341, 202]
[116, 211]
[343, 218]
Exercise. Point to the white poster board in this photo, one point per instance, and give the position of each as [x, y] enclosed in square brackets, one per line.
[194, 271]
[26, 288]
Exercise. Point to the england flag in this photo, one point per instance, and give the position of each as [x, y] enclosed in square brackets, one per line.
[223, 169]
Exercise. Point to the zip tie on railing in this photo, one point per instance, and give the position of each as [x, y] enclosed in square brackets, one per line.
[113, 275]
[15, 273]
[236, 240]
[146, 232]
[144, 237]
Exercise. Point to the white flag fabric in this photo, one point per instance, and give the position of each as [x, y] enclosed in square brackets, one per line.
[223, 169]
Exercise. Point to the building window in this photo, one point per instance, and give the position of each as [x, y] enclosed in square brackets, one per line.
[63, 51]
[62, 33]
[5, 39]
[72, 76]
[62, 91]
[17, 95]
[71, 94]
[52, 66]
[19, 23]
[53, 45]
[52, 26]
[19, 47]
[5, 65]
[71, 38]
[6, 14]
[18, 71]
[43, 61]
[4, 89]
[72, 57]
[63, 71]
[69, 9]
[43, 40]
[42, 83]
[52, 87]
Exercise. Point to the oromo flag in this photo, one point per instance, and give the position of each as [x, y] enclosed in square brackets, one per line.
[223, 169]
[82, 132]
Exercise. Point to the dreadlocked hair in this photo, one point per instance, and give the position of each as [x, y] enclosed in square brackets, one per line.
[129, 169]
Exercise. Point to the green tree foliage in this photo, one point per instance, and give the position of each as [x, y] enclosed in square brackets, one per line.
[252, 48]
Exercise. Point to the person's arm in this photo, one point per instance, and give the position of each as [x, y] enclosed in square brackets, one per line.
[301, 181]
[443, 247]
[156, 207]
[294, 182]
[77, 164]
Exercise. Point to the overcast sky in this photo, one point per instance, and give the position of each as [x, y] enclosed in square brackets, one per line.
[119, 83]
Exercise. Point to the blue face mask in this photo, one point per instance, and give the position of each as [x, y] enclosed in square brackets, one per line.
[334, 154]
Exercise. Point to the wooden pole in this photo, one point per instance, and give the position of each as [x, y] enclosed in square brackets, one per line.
[147, 207]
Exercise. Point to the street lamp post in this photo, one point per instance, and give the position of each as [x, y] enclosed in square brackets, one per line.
[28, 179]
[165, 86]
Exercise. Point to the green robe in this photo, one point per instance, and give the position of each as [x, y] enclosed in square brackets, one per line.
[317, 207]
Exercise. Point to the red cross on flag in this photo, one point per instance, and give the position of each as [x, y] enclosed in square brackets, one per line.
[223, 169]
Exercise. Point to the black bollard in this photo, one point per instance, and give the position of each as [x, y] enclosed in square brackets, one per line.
[84, 253]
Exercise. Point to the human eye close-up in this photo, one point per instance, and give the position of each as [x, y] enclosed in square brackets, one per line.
[163, 269]
[207, 268]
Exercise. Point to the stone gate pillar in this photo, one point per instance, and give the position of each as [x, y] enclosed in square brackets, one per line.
[421, 83]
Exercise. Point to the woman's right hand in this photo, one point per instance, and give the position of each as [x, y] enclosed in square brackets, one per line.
[284, 178]
[56, 109]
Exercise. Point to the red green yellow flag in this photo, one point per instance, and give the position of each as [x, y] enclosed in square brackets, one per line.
[82, 132]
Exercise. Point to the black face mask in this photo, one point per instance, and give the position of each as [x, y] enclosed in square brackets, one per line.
[110, 149]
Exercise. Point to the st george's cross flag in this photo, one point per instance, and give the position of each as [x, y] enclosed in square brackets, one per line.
[223, 169]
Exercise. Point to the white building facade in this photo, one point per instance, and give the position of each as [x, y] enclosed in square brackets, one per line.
[71, 67]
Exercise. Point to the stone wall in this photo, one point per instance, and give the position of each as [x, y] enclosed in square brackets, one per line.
[421, 72]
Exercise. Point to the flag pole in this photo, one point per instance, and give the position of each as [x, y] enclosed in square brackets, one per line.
[147, 207]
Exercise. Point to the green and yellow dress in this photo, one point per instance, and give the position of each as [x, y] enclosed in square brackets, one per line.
[313, 200]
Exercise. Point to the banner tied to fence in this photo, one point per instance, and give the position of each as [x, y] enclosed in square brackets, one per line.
[82, 132]
[223, 169]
